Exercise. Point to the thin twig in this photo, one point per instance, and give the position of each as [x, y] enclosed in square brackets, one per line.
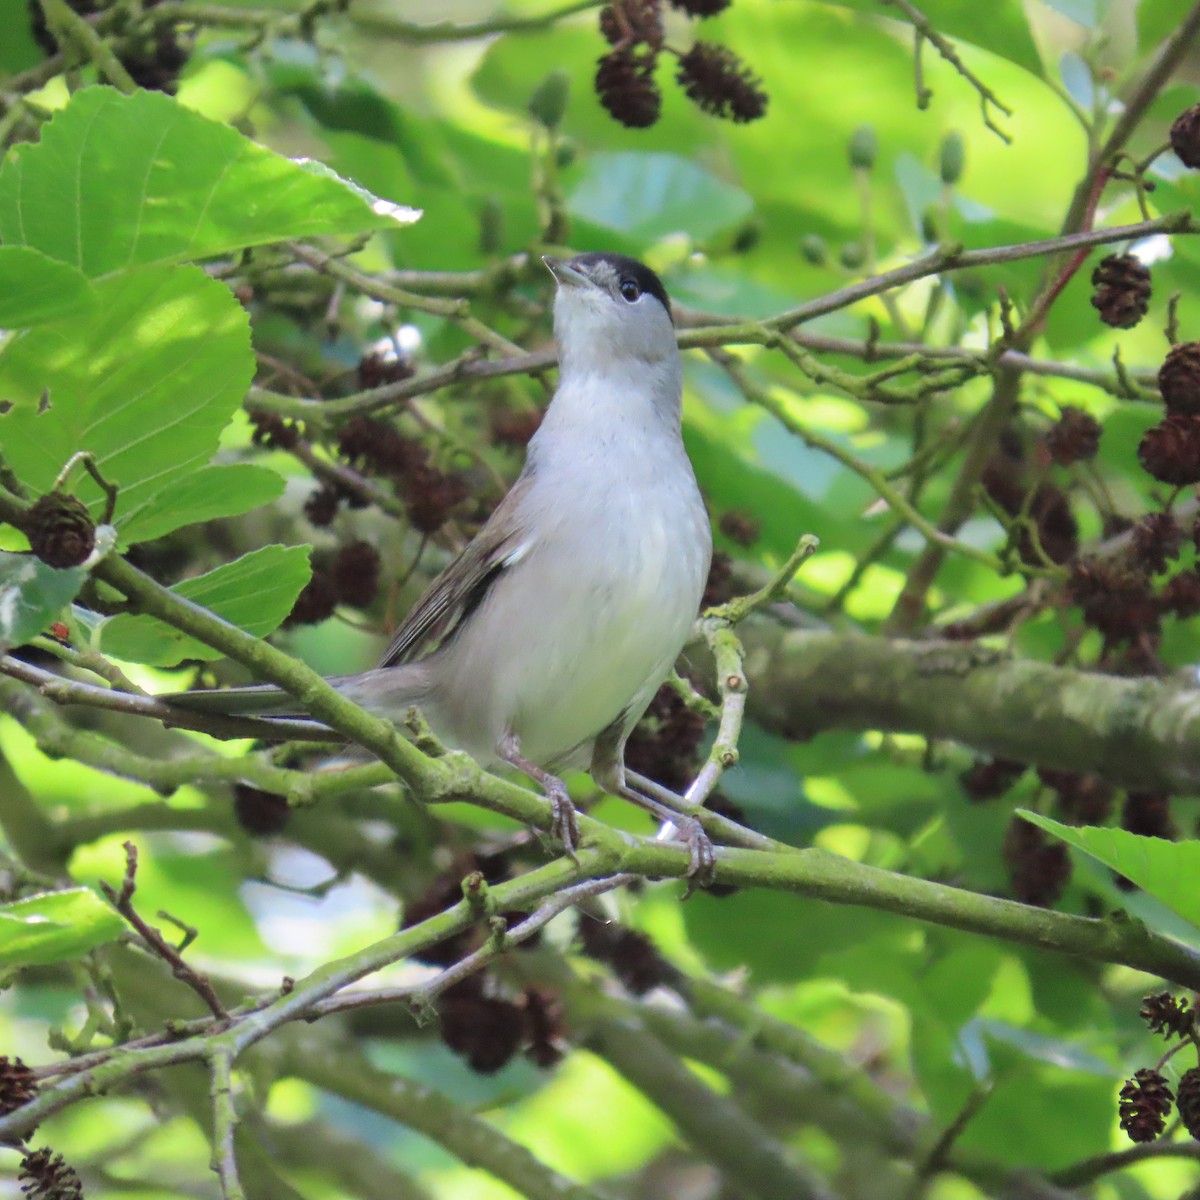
[70, 691]
[422, 997]
[110, 490]
[925, 32]
[224, 1113]
[123, 902]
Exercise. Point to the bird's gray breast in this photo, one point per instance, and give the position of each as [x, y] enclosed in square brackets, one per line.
[596, 605]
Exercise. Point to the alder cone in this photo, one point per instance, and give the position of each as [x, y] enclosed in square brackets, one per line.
[626, 87]
[1188, 1102]
[1185, 137]
[717, 81]
[1170, 450]
[60, 531]
[1145, 1102]
[1179, 379]
[1074, 437]
[1122, 295]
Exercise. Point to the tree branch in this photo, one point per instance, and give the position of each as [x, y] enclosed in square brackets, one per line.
[1142, 733]
[716, 1126]
[320, 412]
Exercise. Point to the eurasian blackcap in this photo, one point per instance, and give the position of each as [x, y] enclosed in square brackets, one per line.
[543, 643]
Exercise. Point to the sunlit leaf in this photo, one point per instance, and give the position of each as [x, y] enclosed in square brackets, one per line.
[32, 595]
[254, 592]
[121, 181]
[1167, 870]
[217, 491]
[35, 289]
[55, 927]
[145, 382]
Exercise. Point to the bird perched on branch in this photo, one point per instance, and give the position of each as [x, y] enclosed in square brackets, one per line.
[543, 643]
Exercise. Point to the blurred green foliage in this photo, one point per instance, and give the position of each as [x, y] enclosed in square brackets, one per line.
[161, 318]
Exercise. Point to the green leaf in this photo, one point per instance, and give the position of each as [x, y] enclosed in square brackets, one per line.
[1156, 19]
[121, 181]
[146, 383]
[35, 289]
[18, 50]
[32, 595]
[54, 927]
[217, 491]
[650, 196]
[254, 592]
[1167, 870]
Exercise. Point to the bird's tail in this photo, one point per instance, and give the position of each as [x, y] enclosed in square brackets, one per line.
[388, 690]
[252, 700]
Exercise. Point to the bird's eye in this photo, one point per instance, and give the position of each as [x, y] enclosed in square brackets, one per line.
[630, 290]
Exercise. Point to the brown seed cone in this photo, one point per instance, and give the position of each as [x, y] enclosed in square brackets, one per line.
[18, 1084]
[44, 1176]
[375, 445]
[1039, 865]
[1082, 799]
[1179, 378]
[442, 893]
[60, 531]
[1188, 1101]
[1122, 290]
[1057, 529]
[1167, 1015]
[665, 743]
[1115, 599]
[1185, 136]
[264, 814]
[1149, 814]
[716, 80]
[356, 574]
[720, 587]
[1170, 450]
[643, 18]
[156, 64]
[376, 370]
[322, 504]
[625, 84]
[1181, 596]
[986, 779]
[1074, 437]
[545, 1030]
[484, 1030]
[1145, 1103]
[740, 526]
[1157, 539]
[272, 431]
[430, 495]
[633, 957]
[316, 601]
[701, 8]
[512, 428]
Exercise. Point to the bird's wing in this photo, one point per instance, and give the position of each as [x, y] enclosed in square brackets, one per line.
[462, 586]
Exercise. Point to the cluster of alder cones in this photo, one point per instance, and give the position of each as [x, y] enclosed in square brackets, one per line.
[1147, 1098]
[713, 77]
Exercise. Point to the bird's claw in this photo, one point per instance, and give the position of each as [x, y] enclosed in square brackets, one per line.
[702, 858]
[564, 827]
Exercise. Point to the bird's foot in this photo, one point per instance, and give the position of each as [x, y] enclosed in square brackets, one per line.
[564, 825]
[702, 858]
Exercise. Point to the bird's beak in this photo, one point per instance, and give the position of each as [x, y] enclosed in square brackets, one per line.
[564, 273]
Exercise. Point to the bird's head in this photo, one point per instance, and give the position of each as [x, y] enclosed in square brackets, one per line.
[609, 308]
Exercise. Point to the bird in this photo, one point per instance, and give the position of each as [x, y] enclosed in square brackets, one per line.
[542, 644]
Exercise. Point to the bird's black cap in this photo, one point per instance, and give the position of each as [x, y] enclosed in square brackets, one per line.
[628, 268]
